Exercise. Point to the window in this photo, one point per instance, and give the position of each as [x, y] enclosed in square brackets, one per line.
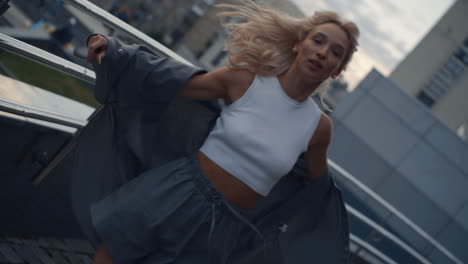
[462, 55]
[435, 88]
[454, 67]
[424, 98]
[176, 36]
[197, 10]
[462, 131]
[445, 74]
[445, 77]
[442, 79]
[219, 57]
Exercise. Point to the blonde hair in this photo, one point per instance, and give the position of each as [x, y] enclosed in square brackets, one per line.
[263, 43]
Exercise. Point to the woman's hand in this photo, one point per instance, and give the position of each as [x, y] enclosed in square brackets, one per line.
[97, 47]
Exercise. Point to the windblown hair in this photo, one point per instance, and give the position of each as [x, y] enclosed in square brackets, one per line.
[262, 42]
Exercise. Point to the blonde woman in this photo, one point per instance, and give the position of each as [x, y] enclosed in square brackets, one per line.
[195, 209]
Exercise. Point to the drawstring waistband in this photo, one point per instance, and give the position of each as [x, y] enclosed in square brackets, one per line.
[212, 225]
[238, 216]
[204, 183]
[247, 222]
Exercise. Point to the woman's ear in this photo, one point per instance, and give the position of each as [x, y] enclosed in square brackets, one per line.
[295, 48]
[337, 73]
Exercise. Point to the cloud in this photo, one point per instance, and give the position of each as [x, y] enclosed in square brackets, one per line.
[389, 28]
[373, 33]
[376, 39]
[360, 66]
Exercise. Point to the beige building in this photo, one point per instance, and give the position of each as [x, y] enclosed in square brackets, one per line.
[435, 72]
[204, 42]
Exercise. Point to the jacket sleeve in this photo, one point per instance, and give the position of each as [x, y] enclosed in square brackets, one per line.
[134, 76]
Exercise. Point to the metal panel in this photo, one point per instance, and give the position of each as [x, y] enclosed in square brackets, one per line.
[402, 217]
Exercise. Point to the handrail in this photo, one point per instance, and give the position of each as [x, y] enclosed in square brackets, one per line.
[46, 58]
[32, 112]
[393, 210]
[371, 249]
[387, 234]
[95, 11]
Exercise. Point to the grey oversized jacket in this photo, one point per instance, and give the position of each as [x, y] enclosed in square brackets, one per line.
[141, 124]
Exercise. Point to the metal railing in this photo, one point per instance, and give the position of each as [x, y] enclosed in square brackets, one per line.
[87, 75]
[115, 23]
[387, 234]
[348, 177]
[45, 58]
[369, 248]
[39, 114]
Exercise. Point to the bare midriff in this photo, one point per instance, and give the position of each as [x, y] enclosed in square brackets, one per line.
[232, 189]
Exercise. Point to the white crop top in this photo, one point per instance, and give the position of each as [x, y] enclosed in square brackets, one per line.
[259, 137]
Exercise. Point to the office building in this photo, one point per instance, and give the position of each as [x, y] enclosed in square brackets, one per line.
[401, 151]
[435, 72]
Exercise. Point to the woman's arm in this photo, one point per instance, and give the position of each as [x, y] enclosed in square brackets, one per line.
[221, 83]
[316, 154]
[134, 76]
[226, 83]
[207, 86]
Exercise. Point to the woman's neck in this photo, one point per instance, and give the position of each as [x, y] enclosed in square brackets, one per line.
[296, 87]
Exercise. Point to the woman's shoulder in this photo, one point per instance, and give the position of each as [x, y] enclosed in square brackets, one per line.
[239, 77]
[237, 82]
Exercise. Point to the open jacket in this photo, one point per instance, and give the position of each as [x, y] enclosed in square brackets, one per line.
[141, 124]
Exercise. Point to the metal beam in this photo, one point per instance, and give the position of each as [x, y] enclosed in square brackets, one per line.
[387, 234]
[115, 23]
[20, 110]
[370, 249]
[43, 57]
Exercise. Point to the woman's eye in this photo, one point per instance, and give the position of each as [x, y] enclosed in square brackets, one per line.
[318, 41]
[337, 53]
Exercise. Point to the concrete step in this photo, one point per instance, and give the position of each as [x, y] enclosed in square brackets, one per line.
[42, 250]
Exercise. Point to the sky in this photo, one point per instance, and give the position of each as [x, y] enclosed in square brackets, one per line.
[390, 29]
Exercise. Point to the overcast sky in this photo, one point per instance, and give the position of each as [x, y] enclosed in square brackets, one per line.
[389, 29]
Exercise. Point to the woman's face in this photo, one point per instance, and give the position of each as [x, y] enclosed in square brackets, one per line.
[321, 53]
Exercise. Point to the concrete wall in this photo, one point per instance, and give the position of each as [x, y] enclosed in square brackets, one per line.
[392, 143]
